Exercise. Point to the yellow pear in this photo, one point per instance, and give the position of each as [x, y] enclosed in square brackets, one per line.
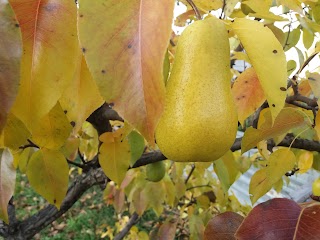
[199, 123]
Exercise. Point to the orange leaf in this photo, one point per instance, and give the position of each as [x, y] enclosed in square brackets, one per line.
[50, 44]
[223, 226]
[10, 53]
[247, 93]
[287, 119]
[125, 54]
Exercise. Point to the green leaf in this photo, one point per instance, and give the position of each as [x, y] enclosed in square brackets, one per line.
[291, 66]
[226, 170]
[10, 54]
[114, 156]
[293, 38]
[137, 146]
[268, 59]
[281, 125]
[48, 174]
[125, 56]
[307, 38]
[53, 130]
[7, 182]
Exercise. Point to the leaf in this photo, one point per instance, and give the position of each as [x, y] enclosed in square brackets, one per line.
[53, 130]
[139, 201]
[309, 222]
[291, 66]
[10, 54]
[273, 219]
[24, 159]
[50, 44]
[81, 97]
[278, 33]
[196, 227]
[206, 5]
[126, 56]
[314, 81]
[229, 7]
[167, 230]
[279, 162]
[89, 141]
[248, 94]
[304, 88]
[137, 146]
[48, 174]
[7, 182]
[293, 38]
[226, 170]
[268, 59]
[15, 132]
[305, 161]
[307, 38]
[281, 125]
[223, 226]
[114, 156]
[155, 195]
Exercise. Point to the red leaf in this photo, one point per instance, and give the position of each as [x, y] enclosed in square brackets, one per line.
[223, 226]
[273, 219]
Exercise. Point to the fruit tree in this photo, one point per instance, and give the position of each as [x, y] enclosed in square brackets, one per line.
[160, 110]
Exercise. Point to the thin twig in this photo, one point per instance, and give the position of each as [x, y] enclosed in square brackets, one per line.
[75, 164]
[31, 144]
[133, 220]
[190, 173]
[222, 10]
[195, 9]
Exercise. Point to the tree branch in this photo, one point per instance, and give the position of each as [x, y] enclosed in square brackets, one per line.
[133, 220]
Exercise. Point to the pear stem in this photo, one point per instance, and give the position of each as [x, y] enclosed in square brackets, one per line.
[195, 9]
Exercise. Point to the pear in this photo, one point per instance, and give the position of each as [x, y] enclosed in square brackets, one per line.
[199, 122]
[155, 171]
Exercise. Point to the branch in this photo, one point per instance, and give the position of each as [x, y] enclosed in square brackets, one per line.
[133, 220]
[195, 9]
[28, 228]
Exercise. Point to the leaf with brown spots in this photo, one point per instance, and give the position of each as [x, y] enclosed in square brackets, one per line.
[10, 54]
[50, 45]
[125, 54]
[248, 94]
[223, 226]
[268, 59]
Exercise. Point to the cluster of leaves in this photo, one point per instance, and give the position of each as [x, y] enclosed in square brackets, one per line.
[60, 61]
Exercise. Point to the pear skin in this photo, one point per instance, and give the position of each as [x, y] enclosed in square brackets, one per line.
[199, 122]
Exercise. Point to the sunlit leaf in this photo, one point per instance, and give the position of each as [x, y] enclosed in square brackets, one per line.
[291, 66]
[229, 7]
[48, 174]
[281, 125]
[314, 81]
[7, 182]
[10, 54]
[293, 38]
[305, 160]
[278, 33]
[307, 37]
[50, 44]
[268, 59]
[206, 5]
[223, 226]
[273, 219]
[125, 55]
[279, 162]
[114, 156]
[248, 94]
[226, 170]
[81, 97]
[89, 141]
[53, 130]
[291, 4]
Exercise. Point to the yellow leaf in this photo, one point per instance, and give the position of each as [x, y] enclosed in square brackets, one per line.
[70, 147]
[48, 173]
[280, 162]
[24, 158]
[50, 45]
[53, 130]
[293, 38]
[280, 126]
[314, 81]
[127, 54]
[291, 4]
[278, 185]
[305, 160]
[307, 37]
[278, 33]
[81, 97]
[229, 7]
[15, 133]
[317, 126]
[206, 5]
[247, 93]
[304, 88]
[7, 182]
[226, 170]
[10, 54]
[114, 156]
[268, 59]
[89, 141]
[240, 56]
